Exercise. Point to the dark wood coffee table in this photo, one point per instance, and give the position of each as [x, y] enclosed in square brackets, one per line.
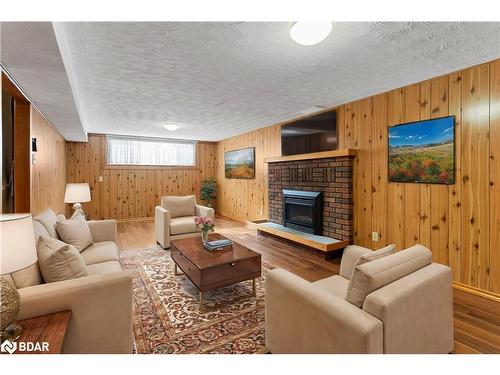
[209, 270]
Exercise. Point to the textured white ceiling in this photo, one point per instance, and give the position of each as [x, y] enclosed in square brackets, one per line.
[30, 53]
[221, 79]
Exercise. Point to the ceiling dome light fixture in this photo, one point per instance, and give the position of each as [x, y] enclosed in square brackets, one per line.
[310, 33]
[171, 127]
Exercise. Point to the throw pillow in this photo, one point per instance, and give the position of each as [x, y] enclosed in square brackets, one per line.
[78, 216]
[59, 261]
[350, 256]
[377, 254]
[48, 219]
[376, 274]
[75, 232]
[365, 258]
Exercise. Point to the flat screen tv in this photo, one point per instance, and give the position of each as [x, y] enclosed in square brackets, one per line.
[423, 151]
[312, 134]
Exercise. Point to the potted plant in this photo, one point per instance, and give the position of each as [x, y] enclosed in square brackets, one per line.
[208, 190]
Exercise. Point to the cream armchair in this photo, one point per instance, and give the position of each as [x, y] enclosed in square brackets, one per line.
[174, 218]
[400, 303]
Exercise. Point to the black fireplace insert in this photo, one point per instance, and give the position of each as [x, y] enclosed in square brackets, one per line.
[302, 210]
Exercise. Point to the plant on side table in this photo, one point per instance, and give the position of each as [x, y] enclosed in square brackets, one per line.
[206, 224]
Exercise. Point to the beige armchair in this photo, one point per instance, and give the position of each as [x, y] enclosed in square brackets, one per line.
[401, 303]
[100, 303]
[174, 218]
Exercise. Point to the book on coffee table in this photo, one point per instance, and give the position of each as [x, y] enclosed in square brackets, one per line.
[217, 245]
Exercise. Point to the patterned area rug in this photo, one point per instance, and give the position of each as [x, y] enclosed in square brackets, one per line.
[166, 313]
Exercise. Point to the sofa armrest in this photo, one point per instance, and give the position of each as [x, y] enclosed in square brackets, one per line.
[204, 211]
[103, 230]
[416, 311]
[162, 226]
[301, 318]
[349, 257]
[101, 311]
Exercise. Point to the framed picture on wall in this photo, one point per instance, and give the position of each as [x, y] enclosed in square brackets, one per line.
[423, 151]
[240, 164]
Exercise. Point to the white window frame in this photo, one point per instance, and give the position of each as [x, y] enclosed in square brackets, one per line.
[155, 142]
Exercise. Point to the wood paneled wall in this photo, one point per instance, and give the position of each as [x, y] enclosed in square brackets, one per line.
[459, 223]
[129, 193]
[247, 199]
[48, 175]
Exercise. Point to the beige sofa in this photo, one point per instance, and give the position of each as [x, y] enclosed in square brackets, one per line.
[174, 218]
[101, 303]
[408, 307]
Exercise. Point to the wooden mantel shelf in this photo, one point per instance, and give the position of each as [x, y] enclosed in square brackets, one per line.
[314, 155]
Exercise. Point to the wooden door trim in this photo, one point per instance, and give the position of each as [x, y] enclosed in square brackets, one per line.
[22, 156]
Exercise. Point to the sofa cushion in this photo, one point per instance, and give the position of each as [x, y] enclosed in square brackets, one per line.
[179, 206]
[182, 225]
[59, 261]
[48, 218]
[100, 252]
[28, 276]
[106, 267]
[380, 272]
[337, 285]
[75, 232]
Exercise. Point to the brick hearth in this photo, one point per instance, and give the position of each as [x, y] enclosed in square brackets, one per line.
[332, 176]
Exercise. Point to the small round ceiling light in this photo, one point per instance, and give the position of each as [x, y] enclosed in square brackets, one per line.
[310, 33]
[171, 127]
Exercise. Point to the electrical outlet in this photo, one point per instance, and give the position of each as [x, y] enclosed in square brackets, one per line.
[101, 179]
[375, 236]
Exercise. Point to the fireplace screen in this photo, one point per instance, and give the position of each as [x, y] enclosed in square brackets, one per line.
[302, 210]
[299, 212]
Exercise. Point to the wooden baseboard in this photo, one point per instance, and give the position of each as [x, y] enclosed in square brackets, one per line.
[478, 292]
[148, 218]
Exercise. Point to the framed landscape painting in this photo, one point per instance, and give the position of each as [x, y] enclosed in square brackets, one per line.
[423, 151]
[240, 163]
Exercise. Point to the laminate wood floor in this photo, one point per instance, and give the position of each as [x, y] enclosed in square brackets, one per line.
[477, 319]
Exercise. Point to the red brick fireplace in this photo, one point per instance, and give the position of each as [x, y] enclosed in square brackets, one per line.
[329, 173]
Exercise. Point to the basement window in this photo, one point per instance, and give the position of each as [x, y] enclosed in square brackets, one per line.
[150, 151]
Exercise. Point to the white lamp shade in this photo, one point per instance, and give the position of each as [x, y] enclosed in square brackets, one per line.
[77, 193]
[17, 250]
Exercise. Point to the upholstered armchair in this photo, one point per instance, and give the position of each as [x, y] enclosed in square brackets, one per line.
[174, 218]
[399, 303]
